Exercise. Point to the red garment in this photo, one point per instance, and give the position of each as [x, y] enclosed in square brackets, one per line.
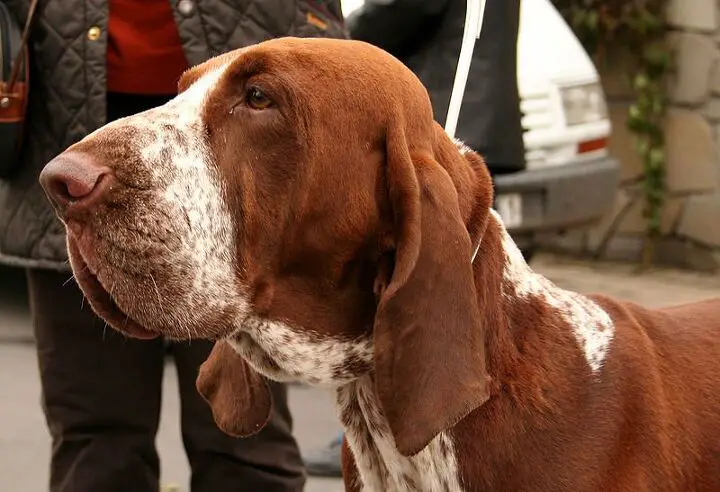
[144, 54]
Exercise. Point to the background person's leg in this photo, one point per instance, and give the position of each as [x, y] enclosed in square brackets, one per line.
[101, 393]
[268, 462]
[326, 461]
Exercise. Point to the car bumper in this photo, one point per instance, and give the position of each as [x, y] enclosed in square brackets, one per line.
[557, 198]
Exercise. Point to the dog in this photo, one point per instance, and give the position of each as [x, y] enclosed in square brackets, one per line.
[298, 204]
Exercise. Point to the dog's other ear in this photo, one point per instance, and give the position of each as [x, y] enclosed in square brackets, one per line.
[240, 398]
[429, 340]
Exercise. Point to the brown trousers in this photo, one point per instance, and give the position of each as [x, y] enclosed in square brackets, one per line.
[101, 396]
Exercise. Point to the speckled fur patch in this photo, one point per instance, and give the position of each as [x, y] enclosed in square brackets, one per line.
[380, 466]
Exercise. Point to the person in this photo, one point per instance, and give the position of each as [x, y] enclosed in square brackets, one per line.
[426, 35]
[93, 62]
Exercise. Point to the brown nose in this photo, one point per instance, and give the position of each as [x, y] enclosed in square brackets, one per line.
[72, 178]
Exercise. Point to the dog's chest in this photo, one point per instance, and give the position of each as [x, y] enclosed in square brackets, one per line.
[381, 467]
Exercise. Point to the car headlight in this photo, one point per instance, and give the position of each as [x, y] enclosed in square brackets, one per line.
[583, 103]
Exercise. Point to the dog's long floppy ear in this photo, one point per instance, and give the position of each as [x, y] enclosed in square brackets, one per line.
[240, 398]
[429, 342]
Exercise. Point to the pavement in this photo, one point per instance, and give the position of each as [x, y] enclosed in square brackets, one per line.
[25, 444]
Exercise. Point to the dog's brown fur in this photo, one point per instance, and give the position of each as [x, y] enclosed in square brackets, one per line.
[356, 216]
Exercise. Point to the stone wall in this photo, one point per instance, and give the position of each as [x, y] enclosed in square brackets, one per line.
[691, 220]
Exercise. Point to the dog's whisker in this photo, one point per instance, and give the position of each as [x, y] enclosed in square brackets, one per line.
[157, 291]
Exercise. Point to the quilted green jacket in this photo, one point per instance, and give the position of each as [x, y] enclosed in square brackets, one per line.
[68, 82]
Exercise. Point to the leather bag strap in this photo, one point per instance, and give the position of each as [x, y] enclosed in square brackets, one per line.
[17, 62]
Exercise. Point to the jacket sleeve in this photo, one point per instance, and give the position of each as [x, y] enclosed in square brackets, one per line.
[392, 25]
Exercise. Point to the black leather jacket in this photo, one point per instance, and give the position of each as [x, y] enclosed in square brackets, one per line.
[68, 86]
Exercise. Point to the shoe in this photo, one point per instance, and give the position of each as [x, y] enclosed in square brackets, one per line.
[325, 462]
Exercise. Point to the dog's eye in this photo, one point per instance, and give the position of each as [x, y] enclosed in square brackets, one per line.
[257, 99]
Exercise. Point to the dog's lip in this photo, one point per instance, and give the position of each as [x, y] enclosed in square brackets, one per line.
[100, 299]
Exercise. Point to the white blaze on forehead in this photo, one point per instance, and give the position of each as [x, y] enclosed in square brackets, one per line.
[172, 143]
[194, 187]
[184, 112]
[190, 104]
[592, 326]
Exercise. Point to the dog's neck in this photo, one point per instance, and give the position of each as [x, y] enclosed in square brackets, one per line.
[379, 464]
[534, 329]
[526, 315]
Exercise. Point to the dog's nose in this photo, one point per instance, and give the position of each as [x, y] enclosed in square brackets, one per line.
[72, 178]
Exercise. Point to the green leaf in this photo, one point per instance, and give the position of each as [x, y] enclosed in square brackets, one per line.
[656, 158]
[641, 81]
[578, 19]
[592, 20]
[657, 57]
[650, 22]
[658, 106]
[643, 146]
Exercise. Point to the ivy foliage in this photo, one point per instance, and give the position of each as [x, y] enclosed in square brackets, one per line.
[638, 29]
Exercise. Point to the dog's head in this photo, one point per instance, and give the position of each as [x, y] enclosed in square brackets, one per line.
[296, 202]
